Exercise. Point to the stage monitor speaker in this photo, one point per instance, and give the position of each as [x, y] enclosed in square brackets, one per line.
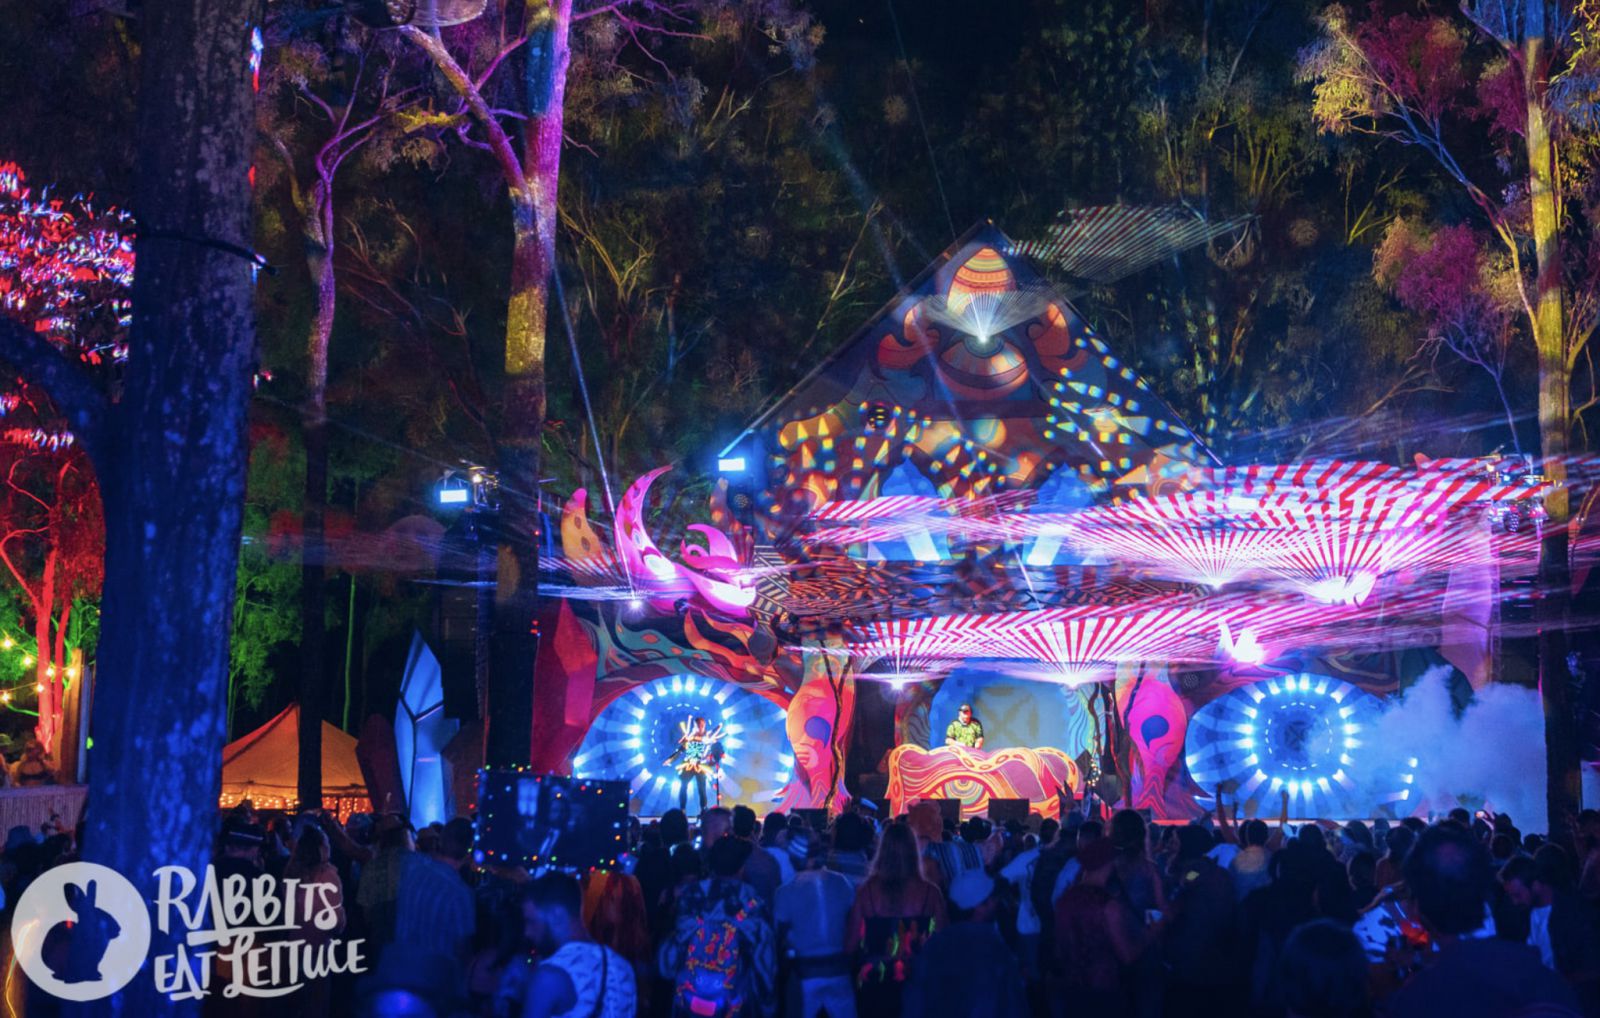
[816, 819]
[1003, 811]
[949, 810]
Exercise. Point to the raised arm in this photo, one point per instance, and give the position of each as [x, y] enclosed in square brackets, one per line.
[1276, 841]
[1224, 825]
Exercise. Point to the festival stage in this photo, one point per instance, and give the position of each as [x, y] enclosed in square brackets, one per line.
[975, 501]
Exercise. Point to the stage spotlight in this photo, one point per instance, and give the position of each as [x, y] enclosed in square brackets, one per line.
[730, 464]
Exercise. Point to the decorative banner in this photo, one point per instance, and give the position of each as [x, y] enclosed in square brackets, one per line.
[976, 776]
[818, 723]
[1156, 722]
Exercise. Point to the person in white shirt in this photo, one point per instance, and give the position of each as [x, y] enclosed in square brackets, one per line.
[1020, 872]
[811, 914]
[576, 976]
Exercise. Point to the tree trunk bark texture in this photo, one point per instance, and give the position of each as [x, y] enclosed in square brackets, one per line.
[313, 689]
[1563, 789]
[172, 462]
[514, 641]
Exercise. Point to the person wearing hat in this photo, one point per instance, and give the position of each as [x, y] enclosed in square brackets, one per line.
[966, 968]
[965, 730]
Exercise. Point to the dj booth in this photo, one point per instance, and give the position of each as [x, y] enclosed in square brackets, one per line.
[976, 777]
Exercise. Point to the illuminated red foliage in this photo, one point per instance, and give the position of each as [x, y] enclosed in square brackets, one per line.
[66, 266]
[1420, 58]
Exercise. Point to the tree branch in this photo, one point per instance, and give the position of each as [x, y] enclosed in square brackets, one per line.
[499, 142]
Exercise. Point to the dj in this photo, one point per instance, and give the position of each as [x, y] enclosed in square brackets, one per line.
[965, 730]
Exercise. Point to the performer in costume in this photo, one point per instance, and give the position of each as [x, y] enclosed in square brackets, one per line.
[965, 730]
[698, 758]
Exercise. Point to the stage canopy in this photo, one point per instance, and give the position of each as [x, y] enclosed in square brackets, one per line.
[264, 765]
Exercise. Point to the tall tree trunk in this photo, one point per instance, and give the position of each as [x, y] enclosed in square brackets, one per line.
[1563, 790]
[56, 689]
[514, 641]
[171, 460]
[44, 607]
[313, 689]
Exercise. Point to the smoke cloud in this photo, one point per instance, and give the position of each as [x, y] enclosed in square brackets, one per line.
[1491, 755]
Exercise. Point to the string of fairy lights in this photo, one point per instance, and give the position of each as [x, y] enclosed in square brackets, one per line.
[22, 653]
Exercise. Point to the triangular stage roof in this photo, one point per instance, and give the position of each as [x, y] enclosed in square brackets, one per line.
[978, 377]
[267, 761]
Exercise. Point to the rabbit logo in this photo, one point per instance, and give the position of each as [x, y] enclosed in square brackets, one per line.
[81, 931]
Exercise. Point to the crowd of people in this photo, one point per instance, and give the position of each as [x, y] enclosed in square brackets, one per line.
[1101, 913]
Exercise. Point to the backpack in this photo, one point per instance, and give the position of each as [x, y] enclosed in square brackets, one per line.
[707, 969]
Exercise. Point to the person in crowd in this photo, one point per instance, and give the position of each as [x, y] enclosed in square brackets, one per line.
[1057, 847]
[944, 856]
[1333, 896]
[378, 890]
[1448, 877]
[1354, 837]
[1558, 923]
[434, 910]
[850, 857]
[1143, 891]
[1270, 913]
[991, 984]
[576, 976]
[1020, 871]
[1249, 864]
[687, 869]
[896, 909]
[497, 973]
[812, 914]
[1201, 935]
[33, 767]
[654, 864]
[721, 953]
[761, 870]
[1322, 972]
[1587, 838]
[775, 834]
[240, 849]
[1362, 872]
[1088, 831]
[618, 920]
[1396, 845]
[310, 865]
[714, 823]
[1097, 939]
[279, 845]
[238, 855]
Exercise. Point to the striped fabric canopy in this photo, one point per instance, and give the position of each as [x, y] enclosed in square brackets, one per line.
[1105, 243]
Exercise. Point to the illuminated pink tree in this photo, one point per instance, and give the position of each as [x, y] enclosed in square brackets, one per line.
[66, 265]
